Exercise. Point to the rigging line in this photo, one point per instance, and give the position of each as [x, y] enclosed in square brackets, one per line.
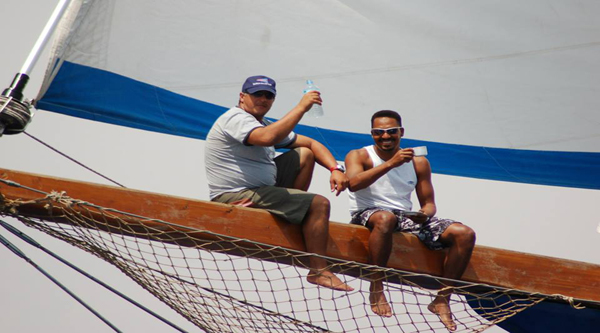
[19, 253]
[326, 143]
[15, 184]
[34, 243]
[72, 159]
[501, 166]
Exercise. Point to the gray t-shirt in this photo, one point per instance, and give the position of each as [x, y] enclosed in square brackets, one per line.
[231, 163]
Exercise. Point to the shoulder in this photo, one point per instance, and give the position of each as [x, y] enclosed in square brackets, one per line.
[235, 117]
[236, 112]
[360, 155]
[421, 164]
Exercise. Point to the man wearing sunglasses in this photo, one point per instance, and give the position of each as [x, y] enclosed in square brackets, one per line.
[242, 169]
[382, 178]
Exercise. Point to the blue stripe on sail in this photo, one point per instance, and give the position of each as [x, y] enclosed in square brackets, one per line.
[94, 94]
[569, 169]
[99, 95]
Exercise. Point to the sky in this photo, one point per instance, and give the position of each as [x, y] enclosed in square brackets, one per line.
[551, 221]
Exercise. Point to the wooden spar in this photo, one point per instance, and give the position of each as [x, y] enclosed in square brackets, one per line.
[492, 266]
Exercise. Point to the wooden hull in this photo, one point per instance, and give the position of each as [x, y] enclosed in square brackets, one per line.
[492, 266]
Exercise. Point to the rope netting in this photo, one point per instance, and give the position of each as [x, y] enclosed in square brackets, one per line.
[225, 284]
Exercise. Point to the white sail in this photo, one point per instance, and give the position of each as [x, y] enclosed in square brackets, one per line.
[498, 91]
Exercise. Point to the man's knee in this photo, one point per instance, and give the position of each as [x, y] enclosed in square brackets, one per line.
[307, 157]
[320, 204]
[383, 221]
[461, 234]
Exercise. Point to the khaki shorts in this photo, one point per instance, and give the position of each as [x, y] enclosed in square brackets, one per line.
[280, 200]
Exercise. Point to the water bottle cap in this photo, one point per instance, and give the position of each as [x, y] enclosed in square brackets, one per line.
[310, 86]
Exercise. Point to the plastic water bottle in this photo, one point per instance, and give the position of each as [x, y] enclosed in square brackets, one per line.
[316, 110]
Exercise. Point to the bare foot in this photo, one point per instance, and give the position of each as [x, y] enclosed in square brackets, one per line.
[327, 279]
[440, 307]
[379, 303]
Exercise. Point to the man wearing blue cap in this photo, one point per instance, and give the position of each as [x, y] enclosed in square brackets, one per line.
[241, 168]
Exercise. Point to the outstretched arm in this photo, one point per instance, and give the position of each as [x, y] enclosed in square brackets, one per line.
[274, 133]
[424, 186]
[338, 181]
[361, 172]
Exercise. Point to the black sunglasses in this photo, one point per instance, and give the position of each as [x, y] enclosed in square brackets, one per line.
[390, 131]
[266, 94]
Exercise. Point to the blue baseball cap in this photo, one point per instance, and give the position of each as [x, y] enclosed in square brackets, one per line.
[259, 83]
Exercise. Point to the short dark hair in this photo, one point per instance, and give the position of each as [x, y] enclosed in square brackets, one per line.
[387, 113]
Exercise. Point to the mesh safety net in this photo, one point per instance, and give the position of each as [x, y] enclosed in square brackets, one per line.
[226, 284]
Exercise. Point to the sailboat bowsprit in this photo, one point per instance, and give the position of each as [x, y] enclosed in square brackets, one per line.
[194, 255]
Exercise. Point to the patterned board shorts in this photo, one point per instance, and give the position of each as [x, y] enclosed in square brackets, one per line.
[429, 233]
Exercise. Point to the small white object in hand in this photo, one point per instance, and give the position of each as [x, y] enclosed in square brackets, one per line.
[420, 151]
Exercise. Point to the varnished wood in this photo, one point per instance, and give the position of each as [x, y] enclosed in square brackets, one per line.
[510, 269]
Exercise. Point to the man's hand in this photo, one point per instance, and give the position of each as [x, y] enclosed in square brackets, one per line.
[402, 156]
[417, 217]
[338, 181]
[309, 99]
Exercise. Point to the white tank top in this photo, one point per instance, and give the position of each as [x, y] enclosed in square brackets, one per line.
[391, 190]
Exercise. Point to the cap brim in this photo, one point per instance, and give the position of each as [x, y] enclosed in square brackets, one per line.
[256, 88]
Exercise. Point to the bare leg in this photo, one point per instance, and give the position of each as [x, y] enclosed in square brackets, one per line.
[316, 233]
[315, 226]
[382, 225]
[307, 165]
[461, 241]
